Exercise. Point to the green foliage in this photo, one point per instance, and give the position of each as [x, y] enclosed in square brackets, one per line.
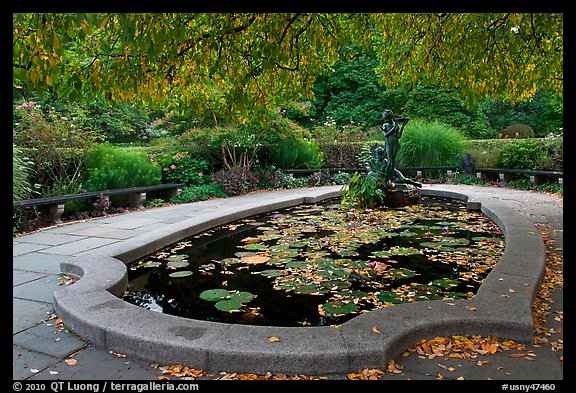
[180, 167]
[239, 147]
[347, 95]
[21, 166]
[437, 104]
[199, 193]
[55, 142]
[543, 112]
[235, 65]
[522, 154]
[341, 154]
[123, 122]
[554, 148]
[364, 191]
[517, 131]
[429, 144]
[477, 54]
[297, 154]
[112, 167]
[485, 153]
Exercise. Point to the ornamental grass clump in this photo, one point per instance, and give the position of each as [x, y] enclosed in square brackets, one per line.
[112, 167]
[429, 144]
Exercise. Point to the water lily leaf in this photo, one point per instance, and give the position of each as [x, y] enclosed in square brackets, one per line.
[149, 264]
[445, 283]
[214, 295]
[229, 305]
[487, 239]
[242, 254]
[272, 273]
[309, 289]
[390, 297]
[181, 273]
[177, 257]
[177, 264]
[436, 245]
[243, 297]
[402, 273]
[456, 295]
[338, 308]
[296, 264]
[250, 240]
[336, 284]
[256, 259]
[255, 246]
[269, 236]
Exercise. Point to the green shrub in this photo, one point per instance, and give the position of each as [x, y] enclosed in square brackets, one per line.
[432, 103]
[429, 144]
[342, 154]
[517, 131]
[522, 154]
[485, 153]
[57, 142]
[297, 154]
[112, 167]
[199, 193]
[554, 148]
[180, 167]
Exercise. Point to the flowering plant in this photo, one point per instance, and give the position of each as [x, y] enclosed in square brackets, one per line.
[181, 168]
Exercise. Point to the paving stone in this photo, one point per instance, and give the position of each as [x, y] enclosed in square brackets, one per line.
[28, 313]
[22, 276]
[98, 364]
[48, 238]
[27, 363]
[41, 289]
[49, 339]
[79, 246]
[39, 262]
[21, 248]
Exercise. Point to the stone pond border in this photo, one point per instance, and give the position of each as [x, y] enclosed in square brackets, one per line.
[93, 308]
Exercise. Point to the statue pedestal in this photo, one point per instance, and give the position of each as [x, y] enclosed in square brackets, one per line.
[402, 197]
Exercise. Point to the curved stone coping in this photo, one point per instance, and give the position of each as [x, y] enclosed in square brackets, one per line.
[502, 306]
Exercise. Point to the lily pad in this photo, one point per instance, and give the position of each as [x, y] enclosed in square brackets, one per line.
[338, 308]
[255, 246]
[401, 273]
[214, 295]
[445, 283]
[243, 297]
[255, 259]
[176, 264]
[272, 273]
[229, 305]
[181, 273]
[390, 297]
[149, 264]
[177, 257]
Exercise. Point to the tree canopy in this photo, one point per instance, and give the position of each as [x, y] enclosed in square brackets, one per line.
[237, 64]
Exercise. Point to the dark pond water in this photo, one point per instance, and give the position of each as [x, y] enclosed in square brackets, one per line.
[319, 265]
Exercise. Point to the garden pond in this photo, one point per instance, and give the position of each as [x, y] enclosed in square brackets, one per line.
[319, 265]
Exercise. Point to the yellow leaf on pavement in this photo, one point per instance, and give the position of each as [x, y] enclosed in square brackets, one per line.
[71, 362]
